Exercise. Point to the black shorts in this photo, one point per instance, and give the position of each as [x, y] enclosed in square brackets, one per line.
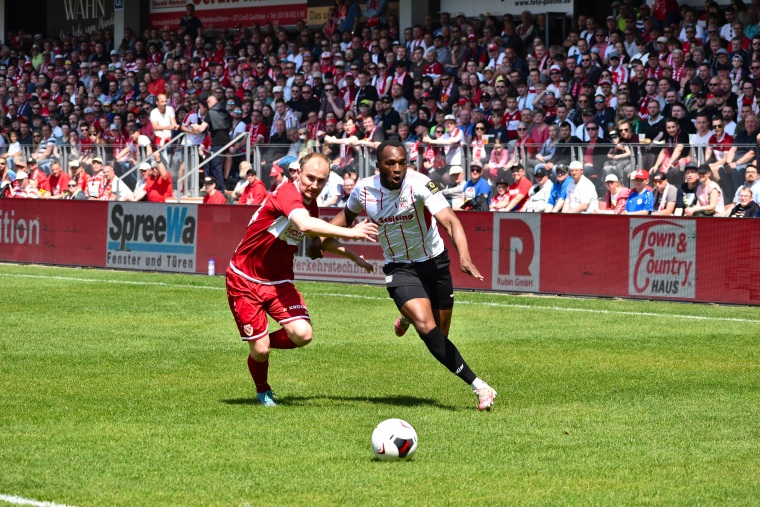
[430, 279]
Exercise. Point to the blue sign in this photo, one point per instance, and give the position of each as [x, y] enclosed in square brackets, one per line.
[118, 5]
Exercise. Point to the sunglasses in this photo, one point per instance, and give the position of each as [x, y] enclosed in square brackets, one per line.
[72, 184]
[592, 128]
[521, 128]
[480, 128]
[717, 126]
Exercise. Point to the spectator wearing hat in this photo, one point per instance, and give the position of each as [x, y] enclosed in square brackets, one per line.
[452, 141]
[517, 191]
[455, 189]
[640, 200]
[237, 150]
[213, 196]
[615, 197]
[252, 192]
[477, 185]
[24, 188]
[277, 177]
[387, 117]
[667, 198]
[96, 185]
[582, 195]
[474, 53]
[618, 160]
[499, 194]
[540, 193]
[41, 182]
[558, 194]
[158, 184]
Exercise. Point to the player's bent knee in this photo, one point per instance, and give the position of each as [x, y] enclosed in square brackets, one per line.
[260, 349]
[299, 332]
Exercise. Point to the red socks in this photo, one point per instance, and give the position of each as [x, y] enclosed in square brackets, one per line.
[259, 372]
[279, 340]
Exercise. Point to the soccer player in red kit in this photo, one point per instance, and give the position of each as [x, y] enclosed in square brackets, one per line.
[409, 207]
[260, 274]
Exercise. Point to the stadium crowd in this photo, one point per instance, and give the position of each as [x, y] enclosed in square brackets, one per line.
[652, 110]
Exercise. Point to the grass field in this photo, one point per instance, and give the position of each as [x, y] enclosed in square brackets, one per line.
[131, 389]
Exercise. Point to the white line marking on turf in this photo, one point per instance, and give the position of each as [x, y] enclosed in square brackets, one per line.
[18, 500]
[120, 282]
[376, 298]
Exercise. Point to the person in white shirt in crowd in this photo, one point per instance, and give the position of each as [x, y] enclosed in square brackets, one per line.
[581, 192]
[163, 119]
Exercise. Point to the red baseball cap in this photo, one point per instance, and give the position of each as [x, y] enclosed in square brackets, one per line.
[641, 174]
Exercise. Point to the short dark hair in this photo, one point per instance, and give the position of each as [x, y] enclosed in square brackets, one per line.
[395, 143]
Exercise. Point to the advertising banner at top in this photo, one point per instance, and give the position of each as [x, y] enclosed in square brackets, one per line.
[76, 17]
[216, 14]
[500, 7]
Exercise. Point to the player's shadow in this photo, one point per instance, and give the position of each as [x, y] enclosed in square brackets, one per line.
[396, 401]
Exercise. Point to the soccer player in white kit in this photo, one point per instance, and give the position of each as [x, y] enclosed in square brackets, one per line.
[407, 206]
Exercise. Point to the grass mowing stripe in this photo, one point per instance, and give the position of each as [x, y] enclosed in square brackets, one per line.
[18, 500]
[376, 298]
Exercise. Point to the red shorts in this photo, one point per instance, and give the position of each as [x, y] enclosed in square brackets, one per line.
[250, 303]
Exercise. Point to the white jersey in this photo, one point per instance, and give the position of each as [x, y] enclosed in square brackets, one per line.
[163, 120]
[407, 230]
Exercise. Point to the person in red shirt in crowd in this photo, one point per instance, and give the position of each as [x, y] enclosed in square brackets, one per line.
[37, 174]
[254, 192]
[213, 196]
[517, 192]
[158, 186]
[78, 174]
[260, 274]
[59, 181]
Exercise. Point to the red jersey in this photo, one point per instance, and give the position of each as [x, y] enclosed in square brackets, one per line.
[253, 195]
[265, 255]
[256, 131]
[217, 198]
[159, 189]
[42, 180]
[59, 184]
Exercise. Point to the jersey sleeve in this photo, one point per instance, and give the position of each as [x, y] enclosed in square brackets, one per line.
[432, 196]
[288, 199]
[355, 203]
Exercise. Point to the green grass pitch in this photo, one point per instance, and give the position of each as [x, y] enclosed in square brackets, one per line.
[131, 389]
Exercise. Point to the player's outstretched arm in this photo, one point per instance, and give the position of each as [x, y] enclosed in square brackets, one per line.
[336, 247]
[453, 226]
[315, 227]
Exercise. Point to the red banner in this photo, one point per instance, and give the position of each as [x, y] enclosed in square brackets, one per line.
[684, 259]
[53, 232]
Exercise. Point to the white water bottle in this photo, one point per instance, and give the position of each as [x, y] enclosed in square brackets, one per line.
[211, 267]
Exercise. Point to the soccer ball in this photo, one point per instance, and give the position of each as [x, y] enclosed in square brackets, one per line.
[394, 439]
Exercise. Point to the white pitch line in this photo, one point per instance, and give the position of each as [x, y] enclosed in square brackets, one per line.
[119, 282]
[376, 298]
[19, 500]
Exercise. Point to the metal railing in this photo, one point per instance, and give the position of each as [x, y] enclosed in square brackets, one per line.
[193, 171]
[362, 160]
